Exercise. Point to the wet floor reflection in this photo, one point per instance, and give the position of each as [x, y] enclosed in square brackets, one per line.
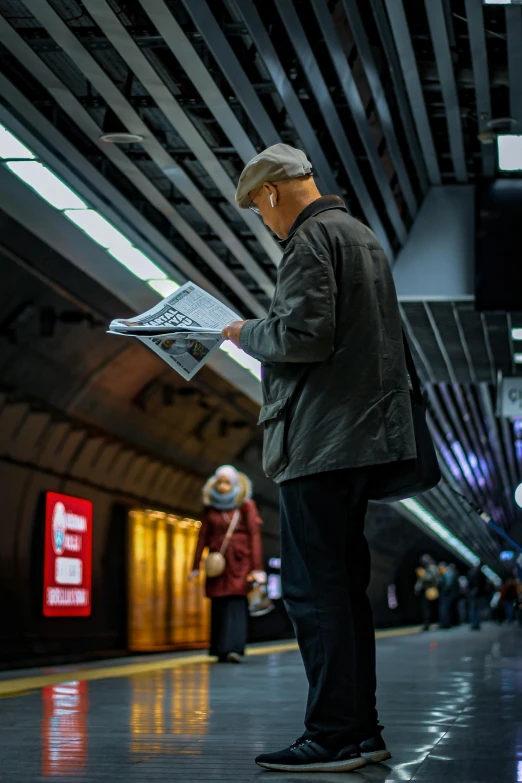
[444, 711]
[169, 711]
[64, 728]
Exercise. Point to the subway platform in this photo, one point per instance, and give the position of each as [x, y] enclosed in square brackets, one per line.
[450, 701]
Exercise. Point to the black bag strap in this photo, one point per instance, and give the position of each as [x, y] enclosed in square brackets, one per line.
[410, 366]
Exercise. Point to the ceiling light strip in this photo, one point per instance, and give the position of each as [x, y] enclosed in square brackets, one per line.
[21, 161]
[449, 540]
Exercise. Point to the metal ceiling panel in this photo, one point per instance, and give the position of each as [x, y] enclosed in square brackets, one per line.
[440, 343]
[189, 59]
[322, 94]
[133, 122]
[479, 58]
[441, 46]
[291, 102]
[395, 73]
[358, 111]
[17, 46]
[494, 440]
[410, 73]
[131, 53]
[365, 52]
[225, 56]
[464, 343]
[514, 50]
[191, 62]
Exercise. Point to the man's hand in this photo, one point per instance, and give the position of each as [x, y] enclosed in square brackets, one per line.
[232, 332]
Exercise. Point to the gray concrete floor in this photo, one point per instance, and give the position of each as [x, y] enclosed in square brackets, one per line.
[450, 701]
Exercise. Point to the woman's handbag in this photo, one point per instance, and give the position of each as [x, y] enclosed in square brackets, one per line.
[215, 563]
[410, 477]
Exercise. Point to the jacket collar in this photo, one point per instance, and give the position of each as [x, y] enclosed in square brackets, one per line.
[314, 208]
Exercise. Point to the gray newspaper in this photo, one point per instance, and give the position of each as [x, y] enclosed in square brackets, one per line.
[184, 329]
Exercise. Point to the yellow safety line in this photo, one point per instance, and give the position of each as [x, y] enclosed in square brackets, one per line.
[23, 685]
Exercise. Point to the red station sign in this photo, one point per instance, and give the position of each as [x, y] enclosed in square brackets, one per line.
[68, 556]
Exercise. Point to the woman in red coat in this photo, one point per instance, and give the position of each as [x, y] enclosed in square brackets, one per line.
[226, 492]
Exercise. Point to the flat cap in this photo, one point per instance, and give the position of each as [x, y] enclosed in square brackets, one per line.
[280, 161]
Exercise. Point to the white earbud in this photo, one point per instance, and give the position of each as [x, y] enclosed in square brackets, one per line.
[272, 200]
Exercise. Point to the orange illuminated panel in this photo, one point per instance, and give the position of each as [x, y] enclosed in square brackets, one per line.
[166, 611]
[64, 729]
[165, 703]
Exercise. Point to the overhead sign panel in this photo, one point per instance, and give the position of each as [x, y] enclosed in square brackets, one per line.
[510, 398]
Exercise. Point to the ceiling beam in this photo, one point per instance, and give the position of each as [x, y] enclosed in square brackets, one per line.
[131, 53]
[99, 193]
[213, 98]
[440, 343]
[507, 438]
[400, 94]
[89, 67]
[480, 427]
[332, 120]
[81, 117]
[428, 374]
[441, 46]
[494, 440]
[464, 343]
[229, 63]
[514, 49]
[479, 59]
[351, 93]
[187, 56]
[365, 52]
[286, 92]
[489, 352]
[412, 80]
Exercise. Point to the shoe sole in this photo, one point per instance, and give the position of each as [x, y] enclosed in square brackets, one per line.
[376, 756]
[329, 766]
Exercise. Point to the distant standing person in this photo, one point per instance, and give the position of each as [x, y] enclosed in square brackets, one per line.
[231, 525]
[449, 591]
[478, 593]
[427, 587]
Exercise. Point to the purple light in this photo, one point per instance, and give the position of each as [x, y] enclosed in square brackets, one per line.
[461, 457]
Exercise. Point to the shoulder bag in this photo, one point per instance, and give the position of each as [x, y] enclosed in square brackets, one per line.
[215, 563]
[407, 478]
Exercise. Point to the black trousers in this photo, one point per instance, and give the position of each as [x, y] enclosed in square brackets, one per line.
[429, 612]
[228, 625]
[325, 574]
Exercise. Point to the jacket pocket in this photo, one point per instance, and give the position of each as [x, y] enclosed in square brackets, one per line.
[273, 416]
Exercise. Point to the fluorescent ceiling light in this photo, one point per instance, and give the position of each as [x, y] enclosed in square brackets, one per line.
[517, 358]
[137, 262]
[46, 184]
[501, 2]
[98, 228]
[10, 147]
[242, 358]
[442, 532]
[164, 287]
[516, 333]
[49, 187]
[491, 575]
[510, 152]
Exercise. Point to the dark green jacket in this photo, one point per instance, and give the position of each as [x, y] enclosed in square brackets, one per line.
[334, 377]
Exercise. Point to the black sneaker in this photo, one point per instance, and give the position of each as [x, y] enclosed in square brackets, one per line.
[374, 750]
[307, 756]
